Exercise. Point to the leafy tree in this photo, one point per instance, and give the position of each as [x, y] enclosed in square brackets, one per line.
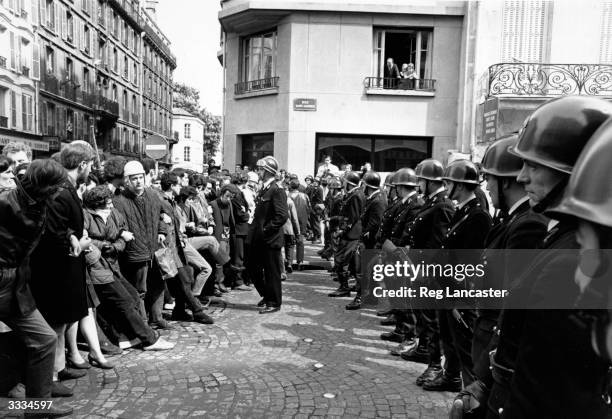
[188, 98]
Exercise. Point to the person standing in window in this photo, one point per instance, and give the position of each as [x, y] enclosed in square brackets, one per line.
[409, 76]
[327, 168]
[390, 74]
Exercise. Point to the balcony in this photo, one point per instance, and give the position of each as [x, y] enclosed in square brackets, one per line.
[269, 84]
[106, 105]
[547, 80]
[3, 121]
[399, 87]
[51, 84]
[2, 62]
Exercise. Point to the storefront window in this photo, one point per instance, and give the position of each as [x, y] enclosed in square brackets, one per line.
[386, 154]
[255, 147]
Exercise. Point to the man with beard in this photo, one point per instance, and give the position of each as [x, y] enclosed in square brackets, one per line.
[58, 264]
[23, 213]
[142, 209]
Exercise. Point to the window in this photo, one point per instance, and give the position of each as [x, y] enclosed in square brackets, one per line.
[135, 74]
[86, 80]
[86, 39]
[70, 131]
[187, 130]
[13, 110]
[259, 57]
[134, 142]
[126, 140]
[255, 147]
[115, 60]
[524, 30]
[114, 93]
[386, 154]
[605, 45]
[134, 106]
[126, 67]
[125, 101]
[404, 46]
[187, 153]
[101, 16]
[49, 119]
[50, 60]
[49, 15]
[69, 27]
[69, 70]
[26, 112]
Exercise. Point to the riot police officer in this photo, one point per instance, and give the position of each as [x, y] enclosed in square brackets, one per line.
[425, 232]
[409, 204]
[349, 231]
[371, 217]
[555, 372]
[265, 237]
[516, 227]
[588, 200]
[467, 232]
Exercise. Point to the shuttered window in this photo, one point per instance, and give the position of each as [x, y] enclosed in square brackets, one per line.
[605, 45]
[524, 30]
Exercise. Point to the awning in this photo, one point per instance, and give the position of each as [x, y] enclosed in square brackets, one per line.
[36, 145]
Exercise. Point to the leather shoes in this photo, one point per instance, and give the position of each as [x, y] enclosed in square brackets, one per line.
[340, 292]
[54, 411]
[390, 320]
[181, 316]
[161, 324]
[201, 317]
[60, 390]
[80, 366]
[402, 347]
[267, 310]
[355, 304]
[261, 303]
[443, 382]
[392, 337]
[384, 313]
[416, 354]
[99, 364]
[429, 374]
[110, 349]
[69, 374]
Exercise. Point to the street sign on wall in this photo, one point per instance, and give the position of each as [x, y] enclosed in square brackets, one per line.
[303, 104]
[156, 147]
[489, 123]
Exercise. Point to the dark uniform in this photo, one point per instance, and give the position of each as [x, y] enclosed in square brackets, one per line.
[468, 230]
[266, 240]
[315, 194]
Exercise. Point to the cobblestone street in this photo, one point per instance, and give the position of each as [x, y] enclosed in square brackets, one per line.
[312, 359]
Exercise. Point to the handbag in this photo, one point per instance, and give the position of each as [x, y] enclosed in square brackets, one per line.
[166, 262]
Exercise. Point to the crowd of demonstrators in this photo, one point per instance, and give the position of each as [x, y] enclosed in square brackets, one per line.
[549, 188]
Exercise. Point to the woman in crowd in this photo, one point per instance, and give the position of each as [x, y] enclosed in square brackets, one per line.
[6, 174]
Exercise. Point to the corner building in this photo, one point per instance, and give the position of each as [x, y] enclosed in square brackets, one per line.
[305, 79]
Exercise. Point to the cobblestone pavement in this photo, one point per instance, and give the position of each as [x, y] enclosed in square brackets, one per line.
[311, 359]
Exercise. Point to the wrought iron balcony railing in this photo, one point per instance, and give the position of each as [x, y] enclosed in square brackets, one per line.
[400, 84]
[537, 79]
[254, 85]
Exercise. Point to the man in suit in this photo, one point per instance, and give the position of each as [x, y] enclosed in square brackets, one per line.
[551, 375]
[265, 237]
[516, 227]
[391, 74]
[467, 232]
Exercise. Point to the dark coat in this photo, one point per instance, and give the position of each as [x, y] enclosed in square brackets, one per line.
[406, 213]
[557, 373]
[302, 207]
[430, 225]
[468, 228]
[58, 280]
[22, 221]
[218, 228]
[386, 223]
[370, 220]
[143, 217]
[240, 209]
[352, 206]
[271, 213]
[391, 73]
[524, 229]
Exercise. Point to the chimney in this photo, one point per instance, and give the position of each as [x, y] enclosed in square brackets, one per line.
[151, 6]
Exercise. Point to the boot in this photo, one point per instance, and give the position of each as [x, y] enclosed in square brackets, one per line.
[443, 382]
[402, 347]
[355, 304]
[432, 371]
[384, 313]
[390, 320]
[343, 290]
[419, 353]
